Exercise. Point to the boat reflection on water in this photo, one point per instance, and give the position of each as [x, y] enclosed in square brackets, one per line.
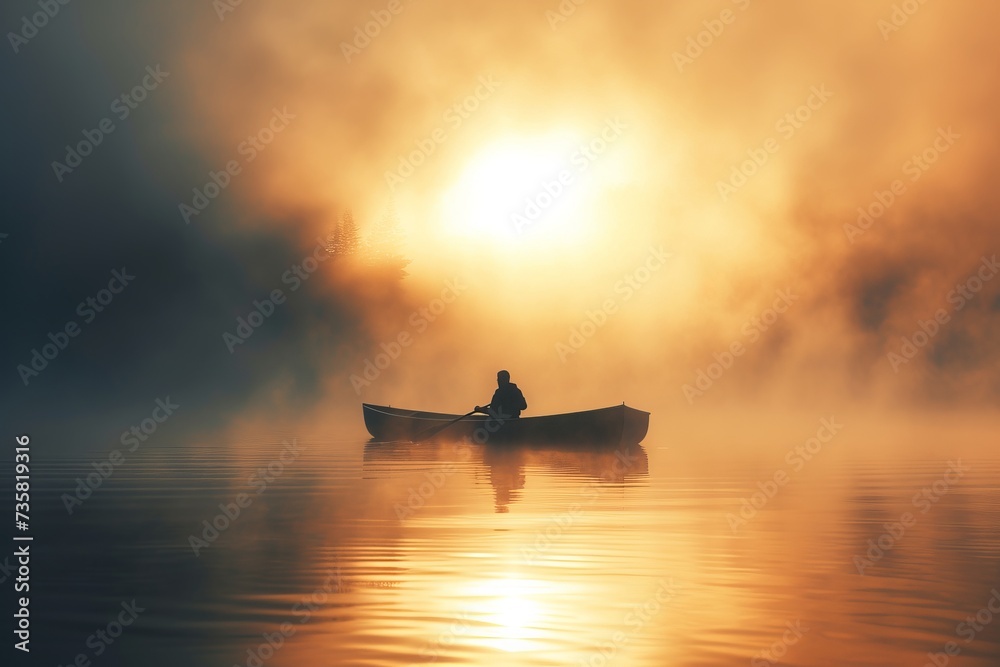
[507, 464]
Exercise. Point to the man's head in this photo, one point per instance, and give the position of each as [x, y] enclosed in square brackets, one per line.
[503, 378]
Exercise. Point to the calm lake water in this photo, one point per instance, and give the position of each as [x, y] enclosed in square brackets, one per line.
[354, 553]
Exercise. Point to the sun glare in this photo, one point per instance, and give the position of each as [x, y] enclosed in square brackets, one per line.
[517, 192]
[512, 612]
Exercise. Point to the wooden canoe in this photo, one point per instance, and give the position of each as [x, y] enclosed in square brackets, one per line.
[618, 425]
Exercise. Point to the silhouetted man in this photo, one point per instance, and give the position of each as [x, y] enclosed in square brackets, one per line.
[508, 401]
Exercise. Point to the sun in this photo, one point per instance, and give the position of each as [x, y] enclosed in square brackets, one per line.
[517, 191]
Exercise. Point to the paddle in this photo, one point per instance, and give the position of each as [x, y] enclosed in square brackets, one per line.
[434, 430]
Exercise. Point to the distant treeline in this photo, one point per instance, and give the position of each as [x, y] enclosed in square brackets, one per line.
[381, 248]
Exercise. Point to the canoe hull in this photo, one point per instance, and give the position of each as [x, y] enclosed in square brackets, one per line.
[609, 426]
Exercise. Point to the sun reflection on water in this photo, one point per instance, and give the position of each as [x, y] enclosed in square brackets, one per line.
[512, 612]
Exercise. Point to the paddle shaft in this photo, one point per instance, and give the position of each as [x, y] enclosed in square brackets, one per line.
[434, 430]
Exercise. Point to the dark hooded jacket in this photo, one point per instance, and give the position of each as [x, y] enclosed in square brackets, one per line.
[508, 401]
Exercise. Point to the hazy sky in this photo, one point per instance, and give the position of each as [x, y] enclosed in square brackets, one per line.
[693, 165]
